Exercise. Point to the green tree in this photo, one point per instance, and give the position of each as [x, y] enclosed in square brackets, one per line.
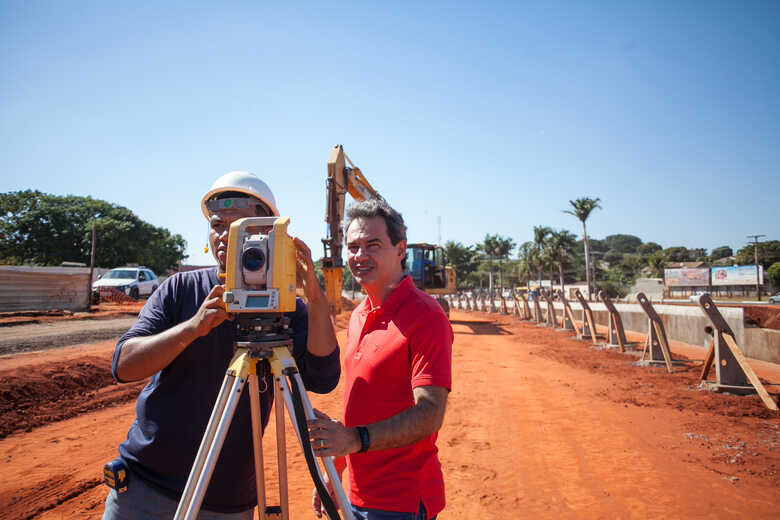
[655, 261]
[623, 243]
[463, 259]
[648, 248]
[38, 228]
[721, 252]
[561, 248]
[773, 273]
[499, 248]
[526, 266]
[613, 257]
[676, 254]
[768, 253]
[582, 209]
[540, 241]
[698, 254]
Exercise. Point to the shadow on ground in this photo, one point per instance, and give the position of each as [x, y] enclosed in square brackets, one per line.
[480, 327]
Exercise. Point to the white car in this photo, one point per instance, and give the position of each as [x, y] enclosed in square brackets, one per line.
[695, 296]
[133, 281]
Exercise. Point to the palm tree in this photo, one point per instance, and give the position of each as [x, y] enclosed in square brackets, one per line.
[463, 260]
[582, 208]
[540, 237]
[560, 246]
[526, 267]
[498, 247]
[501, 249]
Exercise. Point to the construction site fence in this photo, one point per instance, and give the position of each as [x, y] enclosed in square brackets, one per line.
[33, 288]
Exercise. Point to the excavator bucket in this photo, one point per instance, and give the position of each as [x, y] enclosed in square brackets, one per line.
[333, 288]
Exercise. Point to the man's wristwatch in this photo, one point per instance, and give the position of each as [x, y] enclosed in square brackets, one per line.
[365, 438]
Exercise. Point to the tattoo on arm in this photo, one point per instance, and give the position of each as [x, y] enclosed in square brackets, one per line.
[412, 424]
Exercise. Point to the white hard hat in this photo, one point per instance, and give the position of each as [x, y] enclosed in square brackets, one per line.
[243, 182]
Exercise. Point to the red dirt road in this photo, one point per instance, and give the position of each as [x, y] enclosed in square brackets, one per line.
[538, 426]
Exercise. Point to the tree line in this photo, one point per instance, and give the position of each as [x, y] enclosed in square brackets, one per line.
[611, 264]
[42, 229]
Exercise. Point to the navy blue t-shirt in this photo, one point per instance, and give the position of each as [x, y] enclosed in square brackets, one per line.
[174, 408]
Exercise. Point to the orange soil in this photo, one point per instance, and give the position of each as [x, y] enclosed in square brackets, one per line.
[538, 425]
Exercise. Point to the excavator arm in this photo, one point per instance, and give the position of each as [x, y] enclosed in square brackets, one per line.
[342, 179]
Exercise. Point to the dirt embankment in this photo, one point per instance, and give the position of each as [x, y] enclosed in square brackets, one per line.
[767, 317]
[41, 393]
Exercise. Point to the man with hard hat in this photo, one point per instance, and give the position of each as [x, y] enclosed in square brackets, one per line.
[183, 340]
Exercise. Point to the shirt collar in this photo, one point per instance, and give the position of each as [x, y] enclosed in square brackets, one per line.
[392, 302]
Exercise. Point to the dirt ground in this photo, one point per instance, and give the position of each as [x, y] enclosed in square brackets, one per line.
[766, 316]
[538, 425]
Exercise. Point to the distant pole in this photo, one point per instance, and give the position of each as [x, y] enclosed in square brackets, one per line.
[91, 269]
[755, 252]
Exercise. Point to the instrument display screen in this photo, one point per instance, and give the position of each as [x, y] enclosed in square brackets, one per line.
[257, 301]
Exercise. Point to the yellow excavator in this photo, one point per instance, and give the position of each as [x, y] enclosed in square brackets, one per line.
[425, 262]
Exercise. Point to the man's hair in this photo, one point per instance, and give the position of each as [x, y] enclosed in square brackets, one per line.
[396, 229]
[260, 209]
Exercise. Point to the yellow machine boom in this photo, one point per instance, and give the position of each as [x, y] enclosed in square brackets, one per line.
[342, 179]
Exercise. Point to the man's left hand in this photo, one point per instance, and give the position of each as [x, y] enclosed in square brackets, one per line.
[330, 438]
[305, 270]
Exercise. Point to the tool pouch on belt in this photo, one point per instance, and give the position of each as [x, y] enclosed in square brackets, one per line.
[115, 475]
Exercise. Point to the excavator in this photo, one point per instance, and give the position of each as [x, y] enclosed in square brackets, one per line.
[425, 262]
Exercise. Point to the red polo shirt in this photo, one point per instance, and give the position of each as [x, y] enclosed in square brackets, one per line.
[391, 349]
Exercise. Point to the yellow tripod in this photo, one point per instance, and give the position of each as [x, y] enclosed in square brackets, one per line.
[288, 392]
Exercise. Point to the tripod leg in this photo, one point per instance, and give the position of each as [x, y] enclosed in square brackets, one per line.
[210, 446]
[257, 440]
[281, 449]
[333, 476]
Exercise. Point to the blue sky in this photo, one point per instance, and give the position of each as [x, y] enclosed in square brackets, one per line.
[486, 116]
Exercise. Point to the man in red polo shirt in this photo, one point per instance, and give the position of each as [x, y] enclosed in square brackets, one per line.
[397, 365]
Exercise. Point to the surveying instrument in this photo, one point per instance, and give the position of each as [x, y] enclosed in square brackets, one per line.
[260, 287]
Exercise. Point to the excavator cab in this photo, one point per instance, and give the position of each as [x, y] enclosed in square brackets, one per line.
[425, 264]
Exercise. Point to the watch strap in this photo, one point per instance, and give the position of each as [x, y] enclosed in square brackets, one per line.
[365, 439]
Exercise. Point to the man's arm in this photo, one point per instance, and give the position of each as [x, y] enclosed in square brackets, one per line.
[425, 417]
[142, 356]
[321, 336]
[412, 424]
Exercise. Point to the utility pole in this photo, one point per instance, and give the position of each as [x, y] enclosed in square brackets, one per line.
[91, 270]
[758, 271]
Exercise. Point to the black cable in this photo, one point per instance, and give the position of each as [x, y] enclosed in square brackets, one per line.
[303, 429]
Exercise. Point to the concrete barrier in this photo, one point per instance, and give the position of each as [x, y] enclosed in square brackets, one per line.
[762, 344]
[682, 323]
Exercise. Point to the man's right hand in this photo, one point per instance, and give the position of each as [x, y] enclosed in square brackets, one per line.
[142, 356]
[211, 312]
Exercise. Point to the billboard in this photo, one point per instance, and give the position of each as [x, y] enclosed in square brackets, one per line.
[687, 277]
[737, 275]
